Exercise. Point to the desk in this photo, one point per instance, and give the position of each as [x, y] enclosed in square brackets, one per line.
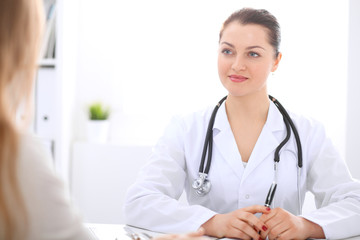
[117, 232]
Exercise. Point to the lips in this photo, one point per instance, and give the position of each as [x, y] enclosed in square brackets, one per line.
[237, 78]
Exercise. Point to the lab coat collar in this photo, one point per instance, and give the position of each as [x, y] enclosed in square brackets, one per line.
[225, 143]
[274, 119]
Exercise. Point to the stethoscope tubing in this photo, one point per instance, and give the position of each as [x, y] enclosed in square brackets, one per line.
[208, 140]
[292, 125]
[288, 122]
[202, 184]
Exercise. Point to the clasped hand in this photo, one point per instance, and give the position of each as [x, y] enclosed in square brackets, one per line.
[274, 223]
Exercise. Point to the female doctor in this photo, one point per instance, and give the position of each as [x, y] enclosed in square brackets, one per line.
[227, 158]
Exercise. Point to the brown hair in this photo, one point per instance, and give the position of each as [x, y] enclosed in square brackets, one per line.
[260, 17]
[20, 37]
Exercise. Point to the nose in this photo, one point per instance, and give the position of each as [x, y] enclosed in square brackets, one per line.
[238, 64]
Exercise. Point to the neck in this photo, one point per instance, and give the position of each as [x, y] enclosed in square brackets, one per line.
[253, 107]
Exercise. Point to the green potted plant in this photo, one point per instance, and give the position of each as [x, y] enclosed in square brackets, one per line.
[98, 124]
[97, 111]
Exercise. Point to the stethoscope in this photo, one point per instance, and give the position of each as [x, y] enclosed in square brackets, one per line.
[202, 184]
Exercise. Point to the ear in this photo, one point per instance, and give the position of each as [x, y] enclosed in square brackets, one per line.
[276, 63]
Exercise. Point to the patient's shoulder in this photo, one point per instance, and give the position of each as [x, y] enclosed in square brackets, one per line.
[32, 150]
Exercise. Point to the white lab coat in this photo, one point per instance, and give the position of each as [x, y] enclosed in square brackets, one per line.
[152, 201]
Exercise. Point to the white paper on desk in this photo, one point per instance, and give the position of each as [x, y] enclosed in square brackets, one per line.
[114, 231]
[117, 232]
[107, 231]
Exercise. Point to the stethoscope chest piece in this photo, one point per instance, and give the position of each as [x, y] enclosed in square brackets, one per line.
[202, 185]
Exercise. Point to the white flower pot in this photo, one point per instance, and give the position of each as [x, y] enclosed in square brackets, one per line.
[98, 131]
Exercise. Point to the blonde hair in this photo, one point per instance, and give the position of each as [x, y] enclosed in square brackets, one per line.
[21, 23]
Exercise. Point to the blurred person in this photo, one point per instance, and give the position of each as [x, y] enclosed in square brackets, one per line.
[34, 203]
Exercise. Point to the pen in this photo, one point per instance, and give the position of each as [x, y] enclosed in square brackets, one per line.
[270, 196]
[136, 235]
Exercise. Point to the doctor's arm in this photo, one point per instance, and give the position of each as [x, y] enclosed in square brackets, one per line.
[152, 201]
[337, 195]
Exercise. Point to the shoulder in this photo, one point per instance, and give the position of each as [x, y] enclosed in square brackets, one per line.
[307, 125]
[44, 193]
[32, 152]
[36, 172]
[313, 137]
[186, 126]
[192, 120]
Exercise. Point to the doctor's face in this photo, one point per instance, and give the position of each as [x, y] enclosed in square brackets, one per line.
[245, 59]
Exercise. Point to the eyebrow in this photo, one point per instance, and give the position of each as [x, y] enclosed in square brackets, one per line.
[248, 48]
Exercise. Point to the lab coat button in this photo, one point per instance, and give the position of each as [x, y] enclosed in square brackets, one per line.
[247, 196]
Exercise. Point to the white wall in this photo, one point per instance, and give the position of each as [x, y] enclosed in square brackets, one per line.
[101, 176]
[153, 59]
[353, 96]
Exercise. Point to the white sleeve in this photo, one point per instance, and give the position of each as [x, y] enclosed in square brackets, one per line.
[337, 195]
[50, 213]
[152, 201]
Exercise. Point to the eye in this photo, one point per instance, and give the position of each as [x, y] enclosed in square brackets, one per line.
[254, 54]
[227, 51]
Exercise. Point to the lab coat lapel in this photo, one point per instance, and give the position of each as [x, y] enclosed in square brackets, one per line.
[224, 142]
[267, 141]
[266, 144]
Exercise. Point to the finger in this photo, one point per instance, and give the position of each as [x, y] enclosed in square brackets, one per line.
[278, 231]
[255, 223]
[271, 220]
[246, 230]
[280, 236]
[166, 237]
[238, 234]
[199, 232]
[285, 236]
[257, 209]
[267, 217]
